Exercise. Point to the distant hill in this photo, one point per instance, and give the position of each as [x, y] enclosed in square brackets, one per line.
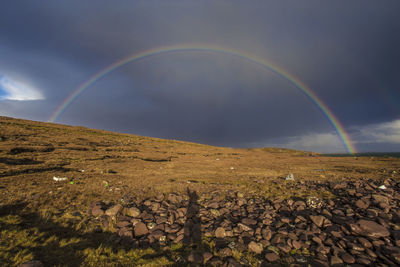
[366, 154]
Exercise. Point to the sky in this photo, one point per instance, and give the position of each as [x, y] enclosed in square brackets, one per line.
[309, 75]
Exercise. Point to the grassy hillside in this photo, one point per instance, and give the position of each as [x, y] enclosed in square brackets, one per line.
[48, 219]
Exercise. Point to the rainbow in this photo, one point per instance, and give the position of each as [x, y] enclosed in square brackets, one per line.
[222, 50]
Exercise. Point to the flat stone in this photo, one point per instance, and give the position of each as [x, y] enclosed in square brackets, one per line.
[179, 238]
[296, 244]
[364, 242]
[213, 205]
[97, 211]
[140, 229]
[114, 210]
[380, 198]
[285, 220]
[248, 221]
[225, 252]
[133, 212]
[373, 229]
[266, 233]
[317, 220]
[336, 260]
[363, 261]
[284, 247]
[361, 204]
[157, 234]
[317, 240]
[215, 212]
[244, 227]
[220, 232]
[122, 224]
[255, 247]
[271, 257]
[347, 258]
[206, 257]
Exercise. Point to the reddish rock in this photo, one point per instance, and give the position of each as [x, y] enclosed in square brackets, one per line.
[206, 257]
[317, 240]
[132, 211]
[225, 252]
[255, 247]
[364, 242]
[363, 261]
[114, 210]
[296, 244]
[248, 221]
[244, 227]
[336, 260]
[285, 220]
[213, 205]
[179, 238]
[347, 258]
[266, 233]
[355, 228]
[317, 220]
[271, 257]
[122, 224]
[285, 248]
[140, 229]
[220, 232]
[380, 198]
[157, 234]
[97, 210]
[373, 229]
[361, 204]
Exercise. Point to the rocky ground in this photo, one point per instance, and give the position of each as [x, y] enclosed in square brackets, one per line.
[359, 228]
[73, 196]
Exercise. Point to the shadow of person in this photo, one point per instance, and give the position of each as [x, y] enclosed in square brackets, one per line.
[192, 227]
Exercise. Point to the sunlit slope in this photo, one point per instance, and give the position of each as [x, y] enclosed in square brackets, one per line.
[32, 153]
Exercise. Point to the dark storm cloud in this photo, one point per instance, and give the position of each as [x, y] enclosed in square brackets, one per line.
[348, 54]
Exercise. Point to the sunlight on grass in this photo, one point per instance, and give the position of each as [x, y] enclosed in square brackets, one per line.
[106, 256]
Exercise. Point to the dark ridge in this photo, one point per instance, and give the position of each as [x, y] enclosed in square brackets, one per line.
[34, 170]
[19, 150]
[24, 161]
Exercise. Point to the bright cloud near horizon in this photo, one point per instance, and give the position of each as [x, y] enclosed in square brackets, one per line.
[15, 90]
[345, 53]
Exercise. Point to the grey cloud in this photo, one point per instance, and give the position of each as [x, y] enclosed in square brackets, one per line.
[346, 53]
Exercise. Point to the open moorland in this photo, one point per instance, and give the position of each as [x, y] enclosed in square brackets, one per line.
[73, 196]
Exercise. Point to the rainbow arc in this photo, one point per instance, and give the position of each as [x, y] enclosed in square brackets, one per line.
[340, 130]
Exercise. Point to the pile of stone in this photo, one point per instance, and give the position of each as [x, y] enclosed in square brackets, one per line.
[360, 227]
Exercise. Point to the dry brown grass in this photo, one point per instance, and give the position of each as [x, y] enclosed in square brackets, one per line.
[121, 166]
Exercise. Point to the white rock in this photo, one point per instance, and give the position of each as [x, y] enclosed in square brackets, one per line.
[290, 177]
[382, 187]
[59, 179]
